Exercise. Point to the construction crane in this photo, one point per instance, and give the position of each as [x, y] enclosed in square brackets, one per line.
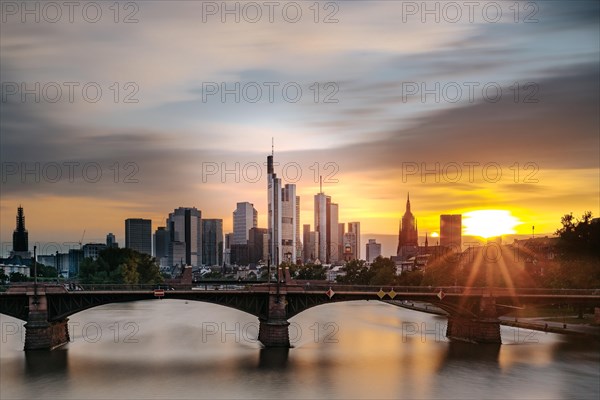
[81, 240]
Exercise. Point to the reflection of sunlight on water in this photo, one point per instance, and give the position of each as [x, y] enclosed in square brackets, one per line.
[370, 335]
[522, 346]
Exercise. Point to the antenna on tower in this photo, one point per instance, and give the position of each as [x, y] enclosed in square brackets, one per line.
[272, 146]
[320, 184]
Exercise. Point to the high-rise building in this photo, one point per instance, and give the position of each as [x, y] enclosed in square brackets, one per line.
[333, 229]
[161, 245]
[274, 213]
[373, 250]
[245, 217]
[341, 232]
[184, 225]
[176, 253]
[288, 223]
[313, 247]
[321, 222]
[299, 247]
[239, 254]
[212, 242]
[265, 249]
[256, 245]
[350, 246]
[306, 250]
[75, 257]
[138, 235]
[408, 244]
[65, 264]
[111, 241]
[354, 227]
[451, 231]
[92, 250]
[228, 240]
[20, 237]
[227, 249]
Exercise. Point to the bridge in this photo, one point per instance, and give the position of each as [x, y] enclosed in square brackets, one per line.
[472, 312]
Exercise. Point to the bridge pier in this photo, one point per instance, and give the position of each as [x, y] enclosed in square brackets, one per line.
[483, 326]
[474, 330]
[41, 334]
[273, 330]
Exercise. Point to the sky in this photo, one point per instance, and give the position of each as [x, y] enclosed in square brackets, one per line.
[131, 110]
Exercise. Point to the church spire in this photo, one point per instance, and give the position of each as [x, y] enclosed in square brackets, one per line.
[399, 238]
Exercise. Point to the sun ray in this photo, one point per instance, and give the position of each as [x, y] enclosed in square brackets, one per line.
[472, 274]
[505, 274]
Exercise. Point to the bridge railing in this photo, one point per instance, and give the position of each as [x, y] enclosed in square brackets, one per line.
[150, 287]
[321, 286]
[494, 291]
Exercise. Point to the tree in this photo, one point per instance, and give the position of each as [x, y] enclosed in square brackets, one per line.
[357, 273]
[18, 277]
[579, 237]
[410, 278]
[578, 253]
[310, 272]
[115, 265]
[3, 277]
[44, 271]
[129, 272]
[383, 272]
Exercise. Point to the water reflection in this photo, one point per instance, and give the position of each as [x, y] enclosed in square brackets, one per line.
[273, 358]
[39, 363]
[482, 353]
[369, 353]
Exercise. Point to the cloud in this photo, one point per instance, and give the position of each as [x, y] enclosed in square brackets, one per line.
[560, 130]
[368, 134]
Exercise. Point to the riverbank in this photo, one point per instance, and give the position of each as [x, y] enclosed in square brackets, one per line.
[534, 323]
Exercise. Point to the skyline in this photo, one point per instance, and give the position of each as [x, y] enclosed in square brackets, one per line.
[469, 235]
[379, 133]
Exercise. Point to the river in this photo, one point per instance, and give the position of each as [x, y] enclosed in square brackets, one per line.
[357, 350]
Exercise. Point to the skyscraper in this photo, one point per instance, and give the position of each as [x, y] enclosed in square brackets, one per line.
[161, 245]
[299, 247]
[313, 246]
[333, 228]
[256, 245]
[111, 241]
[407, 235]
[373, 250]
[138, 235]
[306, 250]
[227, 249]
[341, 232]
[245, 217]
[354, 228]
[176, 254]
[274, 213]
[288, 223]
[451, 231]
[20, 236]
[184, 225]
[321, 225]
[212, 242]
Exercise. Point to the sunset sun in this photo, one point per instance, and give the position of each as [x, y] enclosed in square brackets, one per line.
[489, 223]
